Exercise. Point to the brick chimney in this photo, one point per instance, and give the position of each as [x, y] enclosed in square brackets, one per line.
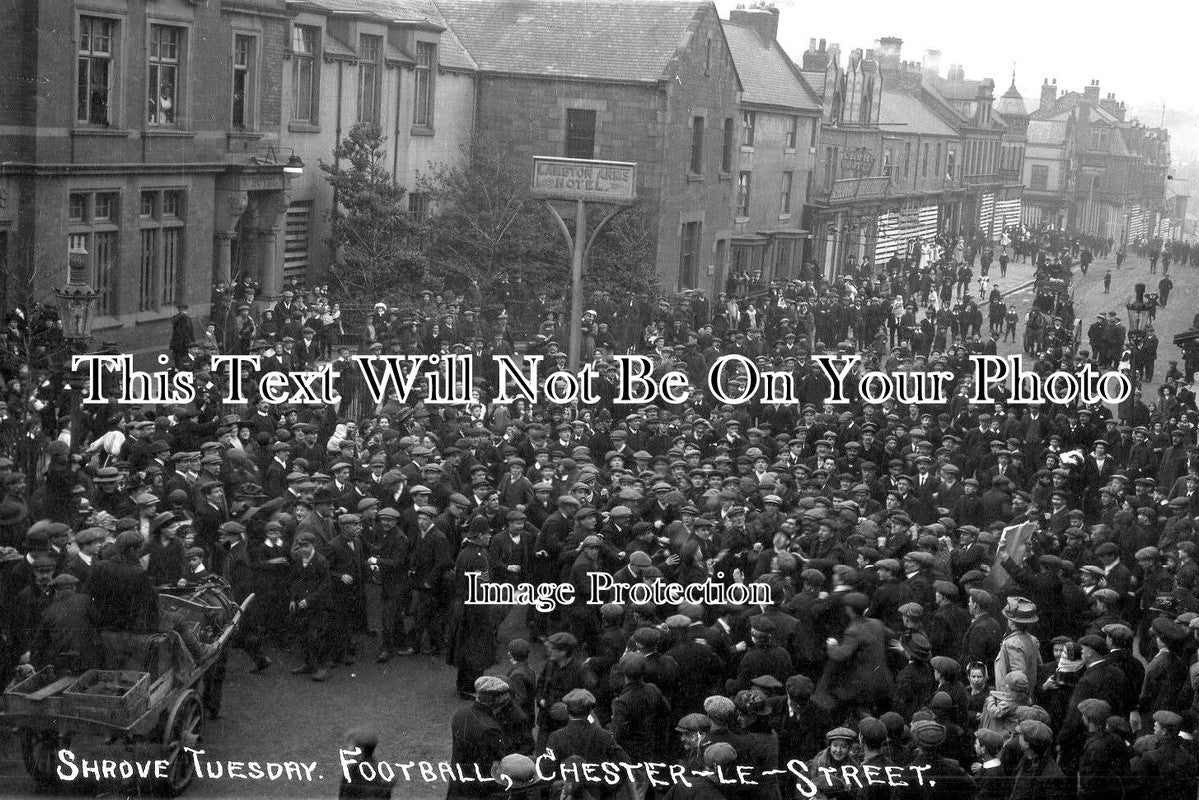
[764, 20]
[932, 62]
[956, 73]
[816, 57]
[1048, 93]
[1091, 92]
[1112, 107]
[888, 52]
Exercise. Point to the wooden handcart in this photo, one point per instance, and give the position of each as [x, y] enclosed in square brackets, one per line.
[148, 700]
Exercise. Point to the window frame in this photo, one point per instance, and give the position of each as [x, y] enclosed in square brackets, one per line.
[749, 124]
[249, 73]
[312, 60]
[572, 138]
[370, 77]
[788, 188]
[112, 58]
[160, 281]
[745, 179]
[86, 229]
[424, 86]
[156, 63]
[729, 141]
[791, 138]
[696, 163]
[690, 240]
[1041, 170]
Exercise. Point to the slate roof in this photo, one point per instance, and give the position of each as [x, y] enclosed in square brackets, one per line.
[423, 13]
[767, 76]
[902, 113]
[609, 40]
[383, 10]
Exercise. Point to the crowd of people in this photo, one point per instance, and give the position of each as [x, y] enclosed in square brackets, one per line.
[1001, 596]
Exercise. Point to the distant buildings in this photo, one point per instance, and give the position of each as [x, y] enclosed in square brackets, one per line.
[166, 138]
[1091, 170]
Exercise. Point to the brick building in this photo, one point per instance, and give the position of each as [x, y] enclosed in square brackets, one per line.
[780, 119]
[391, 62]
[143, 133]
[652, 83]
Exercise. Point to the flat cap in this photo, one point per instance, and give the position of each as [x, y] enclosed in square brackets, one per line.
[491, 684]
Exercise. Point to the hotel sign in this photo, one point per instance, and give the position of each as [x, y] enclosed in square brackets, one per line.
[584, 179]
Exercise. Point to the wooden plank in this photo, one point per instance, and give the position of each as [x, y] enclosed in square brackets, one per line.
[54, 688]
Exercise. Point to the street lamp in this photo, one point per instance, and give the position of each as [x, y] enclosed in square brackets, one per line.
[75, 300]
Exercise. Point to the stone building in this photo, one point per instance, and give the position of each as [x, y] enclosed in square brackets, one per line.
[147, 134]
[1093, 171]
[653, 83]
[391, 62]
[780, 119]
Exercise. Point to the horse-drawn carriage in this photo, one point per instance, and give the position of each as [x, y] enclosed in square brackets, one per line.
[145, 705]
[1053, 298]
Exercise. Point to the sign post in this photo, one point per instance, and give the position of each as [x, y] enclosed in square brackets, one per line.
[609, 183]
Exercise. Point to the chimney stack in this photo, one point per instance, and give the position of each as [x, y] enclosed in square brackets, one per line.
[1091, 92]
[889, 49]
[956, 73]
[1048, 93]
[932, 61]
[764, 20]
[816, 58]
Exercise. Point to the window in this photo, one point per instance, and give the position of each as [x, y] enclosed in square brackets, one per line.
[749, 120]
[743, 187]
[161, 219]
[305, 73]
[907, 158]
[93, 225]
[697, 145]
[295, 243]
[792, 132]
[708, 58]
[418, 206]
[94, 70]
[785, 195]
[243, 81]
[726, 149]
[422, 111]
[689, 240]
[1098, 139]
[163, 79]
[888, 161]
[580, 133]
[1040, 176]
[370, 62]
[924, 167]
[951, 162]
[937, 162]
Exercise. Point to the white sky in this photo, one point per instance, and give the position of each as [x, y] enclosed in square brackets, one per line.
[1142, 51]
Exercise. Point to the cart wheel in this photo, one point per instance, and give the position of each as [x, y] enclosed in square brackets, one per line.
[38, 750]
[182, 730]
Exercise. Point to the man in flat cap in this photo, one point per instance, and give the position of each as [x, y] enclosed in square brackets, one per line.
[308, 602]
[472, 627]
[563, 672]
[1038, 774]
[1170, 770]
[583, 739]
[347, 571]
[478, 739]
[65, 637]
[432, 575]
[1103, 762]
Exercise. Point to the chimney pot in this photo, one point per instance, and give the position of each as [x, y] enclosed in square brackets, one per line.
[812, 43]
[822, 45]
